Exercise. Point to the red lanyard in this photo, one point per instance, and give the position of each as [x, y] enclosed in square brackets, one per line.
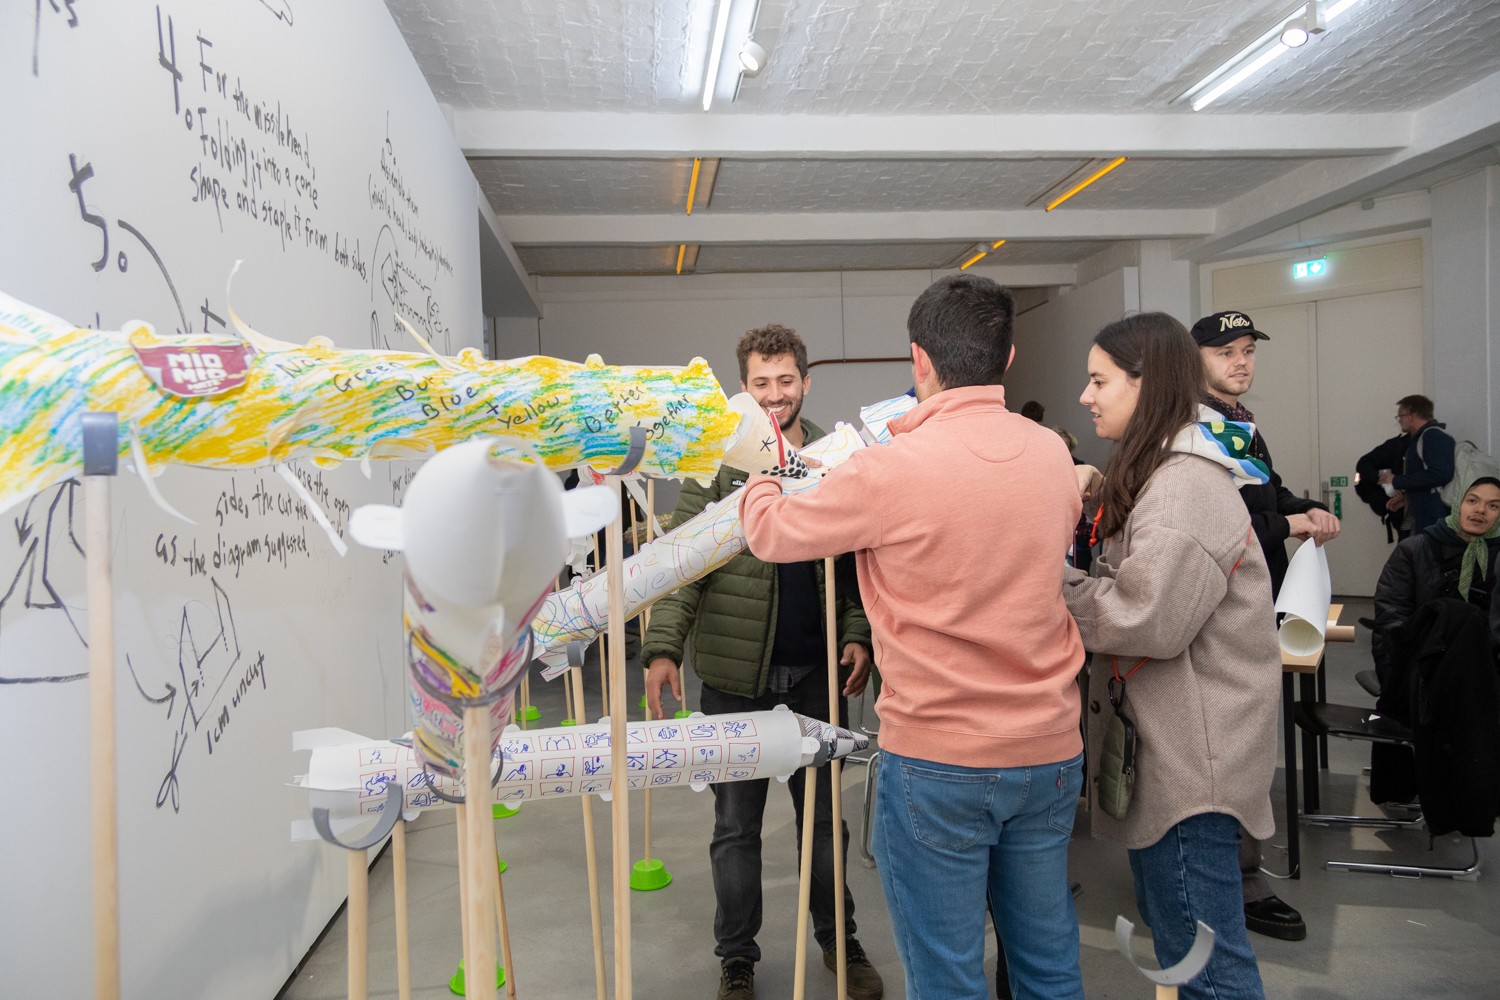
[1114, 664]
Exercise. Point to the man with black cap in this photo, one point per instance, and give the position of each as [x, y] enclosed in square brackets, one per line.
[1227, 340]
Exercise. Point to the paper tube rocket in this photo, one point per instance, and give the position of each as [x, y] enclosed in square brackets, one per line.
[483, 531]
[232, 402]
[350, 775]
[689, 552]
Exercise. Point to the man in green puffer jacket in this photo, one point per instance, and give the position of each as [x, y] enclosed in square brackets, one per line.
[758, 642]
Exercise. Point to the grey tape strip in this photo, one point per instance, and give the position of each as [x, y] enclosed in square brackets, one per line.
[101, 444]
[635, 453]
[388, 817]
[1192, 963]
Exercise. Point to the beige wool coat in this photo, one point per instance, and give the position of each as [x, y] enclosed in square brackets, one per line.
[1185, 584]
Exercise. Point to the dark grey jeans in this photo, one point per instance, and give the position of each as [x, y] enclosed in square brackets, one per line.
[739, 806]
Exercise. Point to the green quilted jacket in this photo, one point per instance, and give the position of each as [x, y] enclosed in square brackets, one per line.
[730, 615]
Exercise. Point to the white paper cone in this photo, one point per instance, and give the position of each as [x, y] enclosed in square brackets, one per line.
[1305, 596]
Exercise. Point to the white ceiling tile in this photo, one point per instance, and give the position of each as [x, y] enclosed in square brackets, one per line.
[832, 59]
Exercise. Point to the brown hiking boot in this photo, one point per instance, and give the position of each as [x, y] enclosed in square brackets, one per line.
[736, 980]
[862, 981]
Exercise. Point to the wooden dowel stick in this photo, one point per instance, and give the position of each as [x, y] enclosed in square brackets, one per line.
[635, 542]
[102, 784]
[835, 777]
[461, 821]
[646, 819]
[603, 646]
[804, 882]
[525, 698]
[479, 957]
[620, 797]
[403, 931]
[575, 676]
[568, 698]
[358, 924]
[504, 928]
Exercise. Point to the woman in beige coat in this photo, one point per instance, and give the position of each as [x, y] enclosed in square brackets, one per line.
[1178, 616]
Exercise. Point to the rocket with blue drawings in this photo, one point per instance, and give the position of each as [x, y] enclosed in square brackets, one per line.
[350, 775]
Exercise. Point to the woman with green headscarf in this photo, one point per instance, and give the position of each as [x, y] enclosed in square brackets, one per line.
[1453, 558]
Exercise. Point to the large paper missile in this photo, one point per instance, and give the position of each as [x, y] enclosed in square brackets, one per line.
[234, 402]
[351, 775]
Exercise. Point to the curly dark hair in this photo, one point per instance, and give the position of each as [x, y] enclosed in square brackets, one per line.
[770, 341]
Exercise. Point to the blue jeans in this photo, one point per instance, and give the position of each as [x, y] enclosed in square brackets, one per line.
[1193, 873]
[739, 806]
[947, 835]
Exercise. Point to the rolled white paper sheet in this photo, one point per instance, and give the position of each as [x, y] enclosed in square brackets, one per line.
[1305, 596]
[877, 416]
[689, 552]
[757, 445]
[349, 774]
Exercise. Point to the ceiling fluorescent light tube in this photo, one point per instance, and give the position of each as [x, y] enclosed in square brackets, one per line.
[1091, 178]
[1245, 72]
[1336, 10]
[973, 260]
[1312, 18]
[681, 252]
[997, 244]
[716, 52]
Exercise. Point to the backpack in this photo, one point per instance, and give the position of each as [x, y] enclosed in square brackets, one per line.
[1469, 463]
[1387, 455]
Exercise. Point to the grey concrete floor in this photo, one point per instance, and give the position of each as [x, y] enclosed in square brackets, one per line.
[1370, 936]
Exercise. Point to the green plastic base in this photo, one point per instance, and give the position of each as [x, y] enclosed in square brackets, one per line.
[643, 701]
[502, 811]
[456, 984]
[529, 713]
[648, 875]
[500, 863]
[568, 722]
[681, 713]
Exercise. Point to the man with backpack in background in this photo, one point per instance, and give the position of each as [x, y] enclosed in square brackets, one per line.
[1428, 466]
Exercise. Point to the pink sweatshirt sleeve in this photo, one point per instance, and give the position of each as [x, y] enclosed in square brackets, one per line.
[827, 521]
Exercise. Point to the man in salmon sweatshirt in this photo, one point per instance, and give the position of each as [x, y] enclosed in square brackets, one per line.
[960, 526]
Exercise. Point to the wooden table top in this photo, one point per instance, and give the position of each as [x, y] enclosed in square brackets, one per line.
[1308, 664]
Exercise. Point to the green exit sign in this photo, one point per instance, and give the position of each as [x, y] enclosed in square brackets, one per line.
[1336, 481]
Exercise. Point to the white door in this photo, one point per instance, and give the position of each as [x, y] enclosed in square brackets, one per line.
[1369, 354]
[1283, 397]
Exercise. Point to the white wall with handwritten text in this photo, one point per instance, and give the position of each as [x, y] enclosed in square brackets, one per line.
[148, 146]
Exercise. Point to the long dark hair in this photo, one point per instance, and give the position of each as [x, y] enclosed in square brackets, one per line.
[1158, 350]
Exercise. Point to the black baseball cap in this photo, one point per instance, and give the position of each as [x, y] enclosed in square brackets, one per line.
[1222, 327]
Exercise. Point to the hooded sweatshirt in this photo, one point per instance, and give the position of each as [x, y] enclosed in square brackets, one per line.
[960, 527]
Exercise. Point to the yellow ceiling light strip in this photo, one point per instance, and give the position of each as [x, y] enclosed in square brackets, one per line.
[1091, 178]
[980, 255]
[682, 249]
[693, 188]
